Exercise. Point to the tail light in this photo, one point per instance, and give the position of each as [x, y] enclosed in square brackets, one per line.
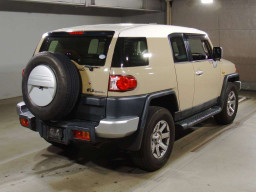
[81, 135]
[122, 83]
[23, 71]
[24, 122]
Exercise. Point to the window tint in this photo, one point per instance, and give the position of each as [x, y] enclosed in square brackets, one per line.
[85, 50]
[179, 50]
[130, 52]
[200, 48]
[94, 46]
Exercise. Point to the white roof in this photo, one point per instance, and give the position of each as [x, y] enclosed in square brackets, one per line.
[135, 30]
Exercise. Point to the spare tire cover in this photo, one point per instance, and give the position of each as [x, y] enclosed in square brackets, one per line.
[50, 85]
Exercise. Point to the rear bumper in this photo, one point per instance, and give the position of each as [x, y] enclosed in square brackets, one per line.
[117, 128]
[106, 128]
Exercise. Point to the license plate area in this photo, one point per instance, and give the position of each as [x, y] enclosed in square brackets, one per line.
[55, 134]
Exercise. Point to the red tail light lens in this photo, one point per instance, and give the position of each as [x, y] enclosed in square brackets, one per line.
[81, 135]
[23, 71]
[76, 33]
[24, 122]
[122, 83]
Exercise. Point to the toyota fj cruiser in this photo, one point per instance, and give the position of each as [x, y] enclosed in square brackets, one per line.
[128, 82]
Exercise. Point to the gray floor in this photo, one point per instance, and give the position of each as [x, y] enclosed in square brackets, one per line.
[210, 158]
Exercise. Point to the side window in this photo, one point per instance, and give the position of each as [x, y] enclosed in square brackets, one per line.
[207, 48]
[179, 49]
[130, 52]
[200, 48]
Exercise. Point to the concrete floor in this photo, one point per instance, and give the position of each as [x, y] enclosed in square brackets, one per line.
[209, 158]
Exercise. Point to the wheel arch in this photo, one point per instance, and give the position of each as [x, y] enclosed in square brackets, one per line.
[233, 77]
[166, 101]
[155, 99]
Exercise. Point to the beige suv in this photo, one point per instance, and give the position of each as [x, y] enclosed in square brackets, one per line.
[133, 83]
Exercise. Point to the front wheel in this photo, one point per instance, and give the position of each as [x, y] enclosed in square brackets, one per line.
[157, 141]
[229, 111]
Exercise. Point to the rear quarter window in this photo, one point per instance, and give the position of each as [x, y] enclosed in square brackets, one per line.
[130, 52]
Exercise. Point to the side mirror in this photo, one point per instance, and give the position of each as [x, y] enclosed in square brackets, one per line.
[217, 53]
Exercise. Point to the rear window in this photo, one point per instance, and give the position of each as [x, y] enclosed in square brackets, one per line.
[131, 52]
[91, 48]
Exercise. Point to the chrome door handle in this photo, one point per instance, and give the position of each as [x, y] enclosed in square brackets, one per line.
[199, 73]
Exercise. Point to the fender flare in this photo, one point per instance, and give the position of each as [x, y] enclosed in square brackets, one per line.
[136, 144]
[227, 79]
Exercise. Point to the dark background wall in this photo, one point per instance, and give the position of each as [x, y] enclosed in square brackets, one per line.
[230, 24]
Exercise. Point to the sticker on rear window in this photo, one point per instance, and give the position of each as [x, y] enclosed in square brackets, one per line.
[102, 56]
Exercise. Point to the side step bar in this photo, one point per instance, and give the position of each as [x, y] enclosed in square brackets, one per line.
[198, 118]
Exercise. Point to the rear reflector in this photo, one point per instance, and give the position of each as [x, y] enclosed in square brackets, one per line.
[81, 135]
[24, 122]
[76, 33]
[122, 83]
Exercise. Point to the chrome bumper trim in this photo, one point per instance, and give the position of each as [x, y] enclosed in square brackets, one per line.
[21, 108]
[23, 111]
[117, 128]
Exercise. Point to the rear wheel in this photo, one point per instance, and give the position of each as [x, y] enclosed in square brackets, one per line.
[157, 141]
[230, 107]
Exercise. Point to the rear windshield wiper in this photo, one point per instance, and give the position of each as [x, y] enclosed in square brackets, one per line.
[90, 67]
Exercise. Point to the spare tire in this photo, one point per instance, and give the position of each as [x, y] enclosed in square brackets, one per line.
[50, 85]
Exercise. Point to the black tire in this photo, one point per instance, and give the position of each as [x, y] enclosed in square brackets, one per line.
[68, 86]
[145, 158]
[224, 118]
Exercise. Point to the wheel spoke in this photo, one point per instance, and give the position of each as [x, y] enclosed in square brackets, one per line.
[232, 110]
[153, 147]
[232, 96]
[158, 151]
[163, 146]
[165, 135]
[157, 127]
[233, 102]
[163, 127]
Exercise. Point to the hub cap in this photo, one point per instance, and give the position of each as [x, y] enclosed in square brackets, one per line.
[231, 103]
[160, 139]
[42, 85]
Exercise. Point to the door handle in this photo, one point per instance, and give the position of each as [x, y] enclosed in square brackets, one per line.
[199, 73]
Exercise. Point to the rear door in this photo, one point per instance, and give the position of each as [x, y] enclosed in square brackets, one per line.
[90, 51]
[184, 71]
[206, 71]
